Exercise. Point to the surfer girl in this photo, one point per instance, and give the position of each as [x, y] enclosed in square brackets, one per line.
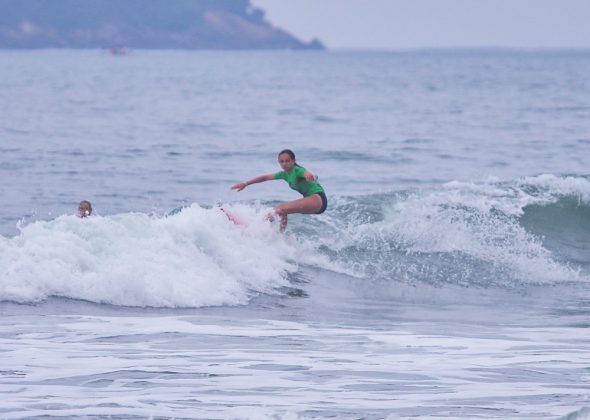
[314, 199]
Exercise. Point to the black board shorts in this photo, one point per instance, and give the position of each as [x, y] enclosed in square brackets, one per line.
[324, 202]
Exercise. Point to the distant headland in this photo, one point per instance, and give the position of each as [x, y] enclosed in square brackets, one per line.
[141, 24]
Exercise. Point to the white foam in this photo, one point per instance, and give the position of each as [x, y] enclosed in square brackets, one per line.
[572, 186]
[479, 221]
[194, 258]
[476, 220]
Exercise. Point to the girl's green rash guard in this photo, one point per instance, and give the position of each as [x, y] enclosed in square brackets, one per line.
[297, 181]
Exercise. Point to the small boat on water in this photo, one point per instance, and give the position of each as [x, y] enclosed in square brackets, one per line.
[118, 50]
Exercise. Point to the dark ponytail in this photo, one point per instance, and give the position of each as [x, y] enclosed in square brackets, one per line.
[291, 155]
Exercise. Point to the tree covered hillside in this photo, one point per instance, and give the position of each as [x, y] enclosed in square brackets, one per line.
[185, 24]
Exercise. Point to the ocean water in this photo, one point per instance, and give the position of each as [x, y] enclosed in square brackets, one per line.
[449, 277]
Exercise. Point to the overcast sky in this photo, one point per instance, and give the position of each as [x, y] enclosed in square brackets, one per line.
[398, 24]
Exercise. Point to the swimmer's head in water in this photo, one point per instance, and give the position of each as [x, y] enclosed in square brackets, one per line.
[84, 208]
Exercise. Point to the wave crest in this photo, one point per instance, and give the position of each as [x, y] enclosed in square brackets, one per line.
[465, 233]
[193, 258]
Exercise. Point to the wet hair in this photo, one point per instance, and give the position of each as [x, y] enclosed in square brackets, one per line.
[290, 153]
[89, 206]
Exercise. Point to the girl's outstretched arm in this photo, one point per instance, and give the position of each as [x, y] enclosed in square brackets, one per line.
[256, 180]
